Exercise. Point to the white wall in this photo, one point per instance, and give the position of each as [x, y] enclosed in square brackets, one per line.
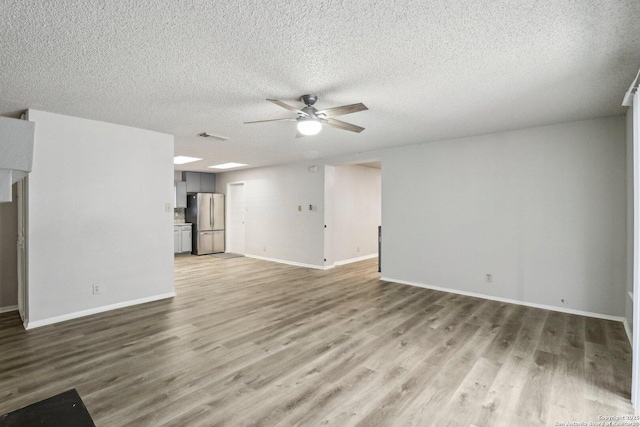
[272, 219]
[543, 210]
[97, 198]
[356, 211]
[8, 253]
[635, 308]
[628, 303]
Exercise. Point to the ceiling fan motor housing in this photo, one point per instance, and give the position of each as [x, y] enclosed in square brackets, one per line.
[309, 100]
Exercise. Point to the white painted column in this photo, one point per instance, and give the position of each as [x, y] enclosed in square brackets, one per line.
[635, 382]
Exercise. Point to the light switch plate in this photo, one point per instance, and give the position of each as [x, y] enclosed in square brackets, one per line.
[167, 207]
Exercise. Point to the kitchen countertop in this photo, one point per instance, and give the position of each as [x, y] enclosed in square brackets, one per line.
[184, 223]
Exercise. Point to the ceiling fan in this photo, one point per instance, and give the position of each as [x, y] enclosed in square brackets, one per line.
[310, 119]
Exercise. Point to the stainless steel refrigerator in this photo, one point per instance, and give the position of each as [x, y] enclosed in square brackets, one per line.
[205, 211]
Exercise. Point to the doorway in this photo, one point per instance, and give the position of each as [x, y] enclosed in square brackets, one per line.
[353, 205]
[235, 217]
[8, 260]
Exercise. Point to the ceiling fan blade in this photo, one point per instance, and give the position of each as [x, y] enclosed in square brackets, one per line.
[340, 111]
[288, 107]
[271, 120]
[210, 135]
[342, 125]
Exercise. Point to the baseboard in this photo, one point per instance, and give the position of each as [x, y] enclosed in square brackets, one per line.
[508, 300]
[8, 308]
[627, 329]
[317, 267]
[349, 261]
[283, 261]
[83, 313]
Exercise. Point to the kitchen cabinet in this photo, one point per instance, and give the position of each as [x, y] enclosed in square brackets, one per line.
[177, 240]
[186, 238]
[208, 182]
[179, 194]
[181, 238]
[200, 182]
[193, 180]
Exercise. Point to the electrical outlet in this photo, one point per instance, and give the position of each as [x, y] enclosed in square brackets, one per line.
[358, 248]
[167, 207]
[96, 289]
[264, 249]
[488, 278]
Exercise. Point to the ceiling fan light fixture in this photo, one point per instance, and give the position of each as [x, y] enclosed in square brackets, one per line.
[309, 126]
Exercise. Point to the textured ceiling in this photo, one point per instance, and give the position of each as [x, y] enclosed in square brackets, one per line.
[427, 70]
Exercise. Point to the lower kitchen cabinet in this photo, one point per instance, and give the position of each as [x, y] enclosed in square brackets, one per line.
[181, 238]
[186, 238]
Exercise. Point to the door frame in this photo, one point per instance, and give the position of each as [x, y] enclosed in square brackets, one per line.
[22, 247]
[228, 233]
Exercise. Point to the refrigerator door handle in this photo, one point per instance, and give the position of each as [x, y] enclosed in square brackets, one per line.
[211, 211]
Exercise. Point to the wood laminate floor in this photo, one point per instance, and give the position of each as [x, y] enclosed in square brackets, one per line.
[253, 343]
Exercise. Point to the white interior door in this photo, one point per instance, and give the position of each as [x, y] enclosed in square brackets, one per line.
[235, 218]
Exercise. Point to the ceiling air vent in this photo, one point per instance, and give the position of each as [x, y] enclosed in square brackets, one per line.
[209, 135]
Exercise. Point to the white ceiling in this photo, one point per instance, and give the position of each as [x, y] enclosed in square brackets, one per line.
[427, 70]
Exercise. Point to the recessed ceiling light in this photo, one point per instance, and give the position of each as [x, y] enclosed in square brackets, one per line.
[181, 160]
[228, 165]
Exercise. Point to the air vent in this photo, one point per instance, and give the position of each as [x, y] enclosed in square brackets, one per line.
[209, 135]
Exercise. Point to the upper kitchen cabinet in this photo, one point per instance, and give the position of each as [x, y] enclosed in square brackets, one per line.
[200, 182]
[179, 194]
[208, 182]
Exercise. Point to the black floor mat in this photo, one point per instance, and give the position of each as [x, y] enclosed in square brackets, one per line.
[64, 409]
